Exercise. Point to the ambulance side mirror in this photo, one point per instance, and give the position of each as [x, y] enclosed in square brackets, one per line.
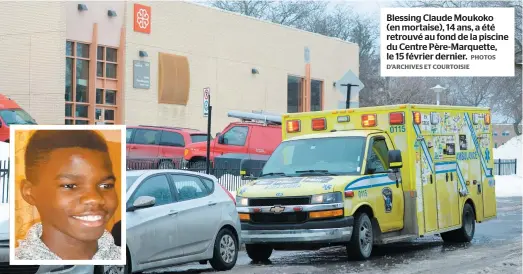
[395, 160]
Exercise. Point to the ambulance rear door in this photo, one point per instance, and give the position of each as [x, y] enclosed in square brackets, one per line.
[426, 170]
[447, 187]
[481, 174]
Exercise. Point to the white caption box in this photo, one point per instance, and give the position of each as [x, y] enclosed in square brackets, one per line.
[442, 42]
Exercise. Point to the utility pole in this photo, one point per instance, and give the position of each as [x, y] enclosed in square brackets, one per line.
[347, 102]
[208, 161]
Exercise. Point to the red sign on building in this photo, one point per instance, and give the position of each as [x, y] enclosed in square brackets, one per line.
[142, 18]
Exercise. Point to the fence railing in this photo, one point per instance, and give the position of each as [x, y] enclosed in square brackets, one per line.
[505, 166]
[232, 178]
[4, 181]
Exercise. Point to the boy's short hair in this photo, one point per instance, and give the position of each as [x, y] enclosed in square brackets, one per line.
[43, 142]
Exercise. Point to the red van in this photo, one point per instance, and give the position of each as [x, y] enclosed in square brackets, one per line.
[12, 114]
[255, 134]
[153, 142]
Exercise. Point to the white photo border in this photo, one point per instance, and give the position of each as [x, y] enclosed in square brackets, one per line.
[12, 260]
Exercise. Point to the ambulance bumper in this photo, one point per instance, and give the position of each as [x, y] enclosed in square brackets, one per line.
[312, 232]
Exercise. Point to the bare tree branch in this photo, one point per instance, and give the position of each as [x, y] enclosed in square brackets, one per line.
[252, 8]
[503, 94]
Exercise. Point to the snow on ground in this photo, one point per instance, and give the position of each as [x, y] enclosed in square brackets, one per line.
[511, 150]
[509, 186]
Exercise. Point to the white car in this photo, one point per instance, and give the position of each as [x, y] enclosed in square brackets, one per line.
[176, 217]
[29, 269]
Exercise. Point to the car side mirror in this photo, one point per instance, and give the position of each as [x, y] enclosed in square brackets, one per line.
[395, 160]
[221, 140]
[218, 134]
[142, 202]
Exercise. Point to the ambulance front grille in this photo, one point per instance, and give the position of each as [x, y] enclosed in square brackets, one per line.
[284, 201]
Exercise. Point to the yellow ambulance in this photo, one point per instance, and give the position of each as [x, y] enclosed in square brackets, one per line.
[369, 176]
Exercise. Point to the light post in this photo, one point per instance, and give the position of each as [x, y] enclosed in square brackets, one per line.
[438, 89]
[347, 102]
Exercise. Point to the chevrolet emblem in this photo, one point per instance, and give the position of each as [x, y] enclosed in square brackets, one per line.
[277, 209]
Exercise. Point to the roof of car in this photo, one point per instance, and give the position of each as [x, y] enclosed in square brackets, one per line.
[188, 130]
[7, 103]
[158, 171]
[256, 124]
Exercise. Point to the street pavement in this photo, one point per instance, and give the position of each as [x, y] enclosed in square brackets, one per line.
[496, 248]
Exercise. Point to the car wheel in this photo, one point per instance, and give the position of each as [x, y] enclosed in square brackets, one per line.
[166, 165]
[467, 230]
[114, 269]
[225, 251]
[361, 242]
[258, 253]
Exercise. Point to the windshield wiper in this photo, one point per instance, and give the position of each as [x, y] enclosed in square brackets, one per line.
[314, 172]
[274, 174]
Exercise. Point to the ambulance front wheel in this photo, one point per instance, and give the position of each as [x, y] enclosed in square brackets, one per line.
[258, 252]
[360, 245]
[467, 230]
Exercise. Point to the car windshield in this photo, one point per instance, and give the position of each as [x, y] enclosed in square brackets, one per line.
[16, 117]
[329, 156]
[130, 181]
[197, 138]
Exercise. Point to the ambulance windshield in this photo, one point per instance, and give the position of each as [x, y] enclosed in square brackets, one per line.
[333, 155]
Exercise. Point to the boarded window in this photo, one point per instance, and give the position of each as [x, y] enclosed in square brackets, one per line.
[173, 82]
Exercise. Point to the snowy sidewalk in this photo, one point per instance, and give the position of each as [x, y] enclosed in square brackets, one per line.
[509, 186]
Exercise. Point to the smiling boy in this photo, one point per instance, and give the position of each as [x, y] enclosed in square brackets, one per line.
[70, 180]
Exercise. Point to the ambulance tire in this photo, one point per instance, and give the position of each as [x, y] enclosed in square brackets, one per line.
[467, 230]
[258, 252]
[356, 249]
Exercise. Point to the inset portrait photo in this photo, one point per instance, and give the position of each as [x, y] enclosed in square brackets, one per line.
[67, 184]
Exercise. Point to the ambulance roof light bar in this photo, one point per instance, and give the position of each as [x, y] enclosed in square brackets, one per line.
[255, 117]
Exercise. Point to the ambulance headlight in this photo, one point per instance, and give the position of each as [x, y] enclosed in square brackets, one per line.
[240, 201]
[328, 198]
